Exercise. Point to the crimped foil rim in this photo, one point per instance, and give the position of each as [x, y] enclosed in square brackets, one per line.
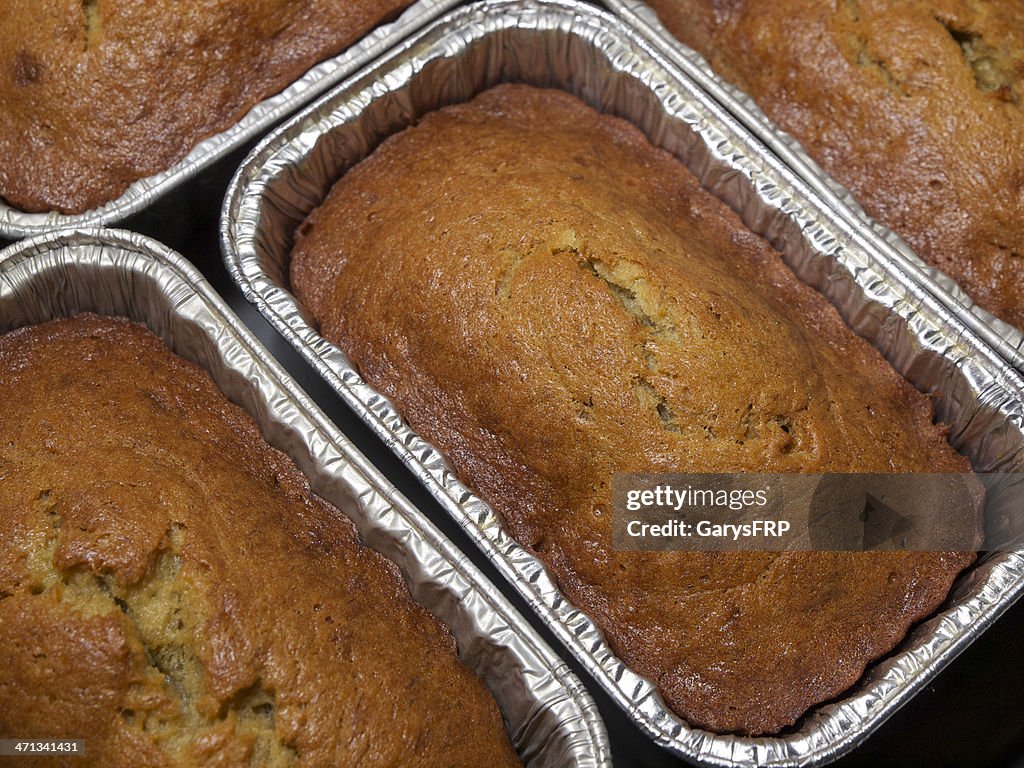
[834, 728]
[15, 223]
[998, 334]
[189, 295]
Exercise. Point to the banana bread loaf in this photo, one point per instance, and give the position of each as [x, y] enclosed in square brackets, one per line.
[914, 105]
[173, 593]
[99, 93]
[549, 299]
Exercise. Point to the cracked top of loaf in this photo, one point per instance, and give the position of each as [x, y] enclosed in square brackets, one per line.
[173, 593]
[99, 93]
[549, 299]
[913, 105]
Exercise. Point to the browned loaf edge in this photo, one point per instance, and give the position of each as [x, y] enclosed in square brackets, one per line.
[172, 592]
[549, 299]
[101, 93]
[915, 106]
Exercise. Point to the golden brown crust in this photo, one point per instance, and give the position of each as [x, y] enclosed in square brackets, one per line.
[99, 93]
[171, 590]
[549, 300]
[914, 105]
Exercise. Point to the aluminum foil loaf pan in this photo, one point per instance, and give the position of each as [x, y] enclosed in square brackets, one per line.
[869, 233]
[15, 223]
[551, 719]
[580, 49]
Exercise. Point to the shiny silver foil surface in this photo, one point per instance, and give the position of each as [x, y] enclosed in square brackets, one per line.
[573, 46]
[15, 223]
[552, 720]
[886, 244]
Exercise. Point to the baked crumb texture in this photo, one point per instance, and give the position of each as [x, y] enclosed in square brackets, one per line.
[100, 93]
[173, 593]
[913, 105]
[549, 300]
